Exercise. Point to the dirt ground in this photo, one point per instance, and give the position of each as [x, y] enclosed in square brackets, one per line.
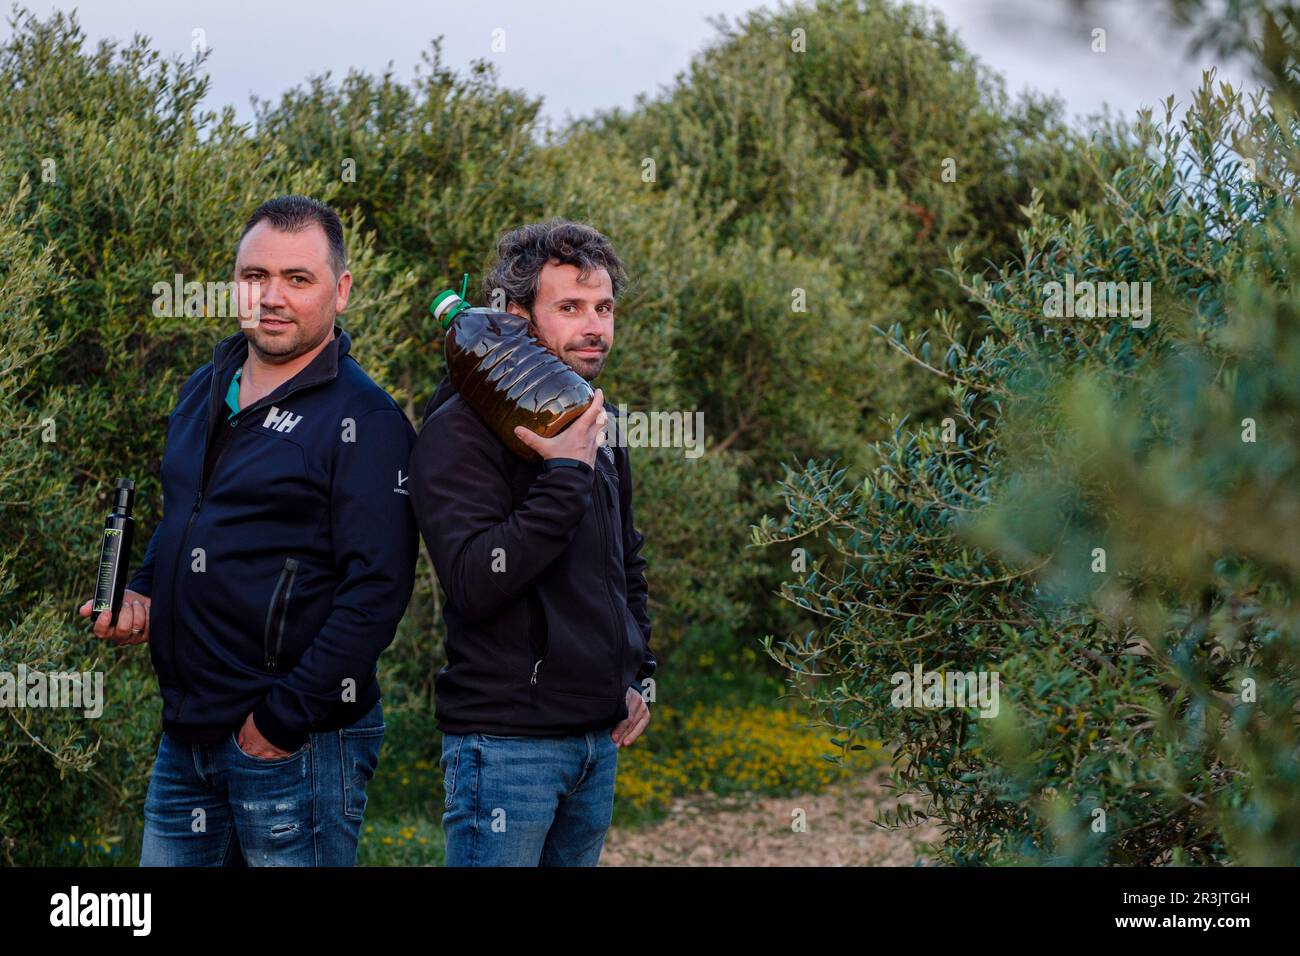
[708, 831]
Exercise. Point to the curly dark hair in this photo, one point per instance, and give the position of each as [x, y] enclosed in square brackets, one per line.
[522, 252]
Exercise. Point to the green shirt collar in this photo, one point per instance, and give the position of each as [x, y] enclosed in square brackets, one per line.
[232, 396]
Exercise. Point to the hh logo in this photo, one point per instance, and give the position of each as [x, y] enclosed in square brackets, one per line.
[279, 421]
[401, 480]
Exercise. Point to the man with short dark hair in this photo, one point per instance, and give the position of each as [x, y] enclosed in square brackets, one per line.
[283, 562]
[548, 640]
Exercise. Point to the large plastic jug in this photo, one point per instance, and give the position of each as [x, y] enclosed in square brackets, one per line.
[506, 374]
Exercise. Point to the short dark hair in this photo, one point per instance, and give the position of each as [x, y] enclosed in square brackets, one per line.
[522, 252]
[295, 213]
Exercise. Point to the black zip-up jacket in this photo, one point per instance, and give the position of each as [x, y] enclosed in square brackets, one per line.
[285, 556]
[543, 577]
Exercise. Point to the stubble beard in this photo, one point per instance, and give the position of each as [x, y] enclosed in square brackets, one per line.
[587, 368]
[284, 346]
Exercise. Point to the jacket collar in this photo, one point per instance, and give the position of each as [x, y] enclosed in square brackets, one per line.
[233, 350]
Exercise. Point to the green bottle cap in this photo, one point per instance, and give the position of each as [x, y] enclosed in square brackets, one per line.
[444, 307]
[449, 304]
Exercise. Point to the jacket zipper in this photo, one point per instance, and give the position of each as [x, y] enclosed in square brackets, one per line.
[206, 476]
[185, 537]
[614, 618]
[280, 601]
[535, 602]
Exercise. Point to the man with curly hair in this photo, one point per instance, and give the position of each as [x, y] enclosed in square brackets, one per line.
[548, 639]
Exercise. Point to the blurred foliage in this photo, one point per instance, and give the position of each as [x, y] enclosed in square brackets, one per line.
[1110, 521]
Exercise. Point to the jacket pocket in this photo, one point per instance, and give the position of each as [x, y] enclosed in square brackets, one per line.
[276, 612]
[610, 481]
[614, 509]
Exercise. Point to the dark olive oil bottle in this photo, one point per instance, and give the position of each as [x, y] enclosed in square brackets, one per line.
[115, 552]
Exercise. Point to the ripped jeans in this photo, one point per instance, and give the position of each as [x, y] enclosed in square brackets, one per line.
[214, 805]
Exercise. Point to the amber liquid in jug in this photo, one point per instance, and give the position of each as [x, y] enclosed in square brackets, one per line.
[508, 377]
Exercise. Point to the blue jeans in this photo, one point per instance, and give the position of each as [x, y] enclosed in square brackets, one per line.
[214, 805]
[527, 801]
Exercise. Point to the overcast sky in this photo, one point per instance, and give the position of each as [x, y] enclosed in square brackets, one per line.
[584, 55]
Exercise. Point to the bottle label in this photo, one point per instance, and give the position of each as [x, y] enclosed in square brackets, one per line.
[108, 554]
